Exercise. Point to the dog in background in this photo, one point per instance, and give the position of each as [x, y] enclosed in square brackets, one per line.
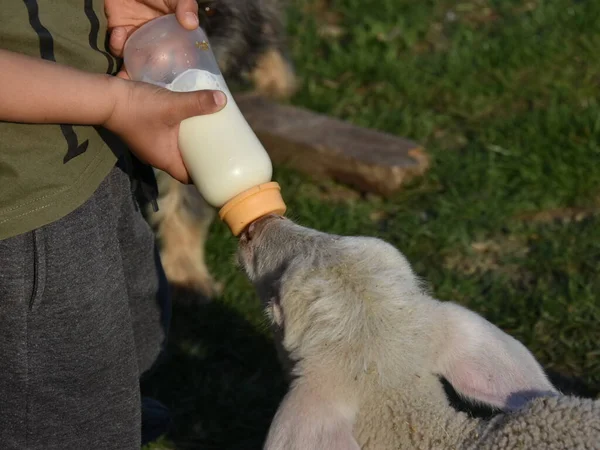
[249, 41]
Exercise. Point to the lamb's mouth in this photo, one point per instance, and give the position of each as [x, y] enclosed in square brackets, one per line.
[254, 230]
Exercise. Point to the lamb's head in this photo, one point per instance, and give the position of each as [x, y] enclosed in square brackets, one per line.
[354, 319]
[352, 306]
[332, 297]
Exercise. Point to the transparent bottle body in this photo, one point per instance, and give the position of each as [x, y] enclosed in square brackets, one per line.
[220, 151]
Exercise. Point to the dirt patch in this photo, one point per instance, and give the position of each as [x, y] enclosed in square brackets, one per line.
[449, 140]
[328, 20]
[476, 12]
[560, 215]
[491, 256]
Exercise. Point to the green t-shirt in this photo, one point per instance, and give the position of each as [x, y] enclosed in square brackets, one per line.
[47, 171]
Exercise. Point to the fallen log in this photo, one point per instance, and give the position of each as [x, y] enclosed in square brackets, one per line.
[322, 146]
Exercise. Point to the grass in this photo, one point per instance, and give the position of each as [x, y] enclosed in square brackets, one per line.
[503, 94]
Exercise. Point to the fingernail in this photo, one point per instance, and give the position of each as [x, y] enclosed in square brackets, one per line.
[192, 18]
[119, 32]
[220, 98]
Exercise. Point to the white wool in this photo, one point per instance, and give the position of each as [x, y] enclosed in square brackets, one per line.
[368, 347]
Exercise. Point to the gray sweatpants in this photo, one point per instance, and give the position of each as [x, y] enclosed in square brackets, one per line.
[83, 313]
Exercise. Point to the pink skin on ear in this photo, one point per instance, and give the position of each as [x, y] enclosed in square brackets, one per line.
[485, 364]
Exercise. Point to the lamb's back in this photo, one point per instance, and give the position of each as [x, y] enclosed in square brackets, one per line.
[394, 420]
[552, 423]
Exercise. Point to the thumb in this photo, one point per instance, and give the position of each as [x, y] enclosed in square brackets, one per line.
[117, 39]
[200, 103]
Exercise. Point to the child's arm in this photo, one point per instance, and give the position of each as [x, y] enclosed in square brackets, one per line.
[33, 90]
[146, 117]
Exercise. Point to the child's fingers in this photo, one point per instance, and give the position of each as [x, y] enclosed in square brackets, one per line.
[186, 12]
[178, 171]
[123, 73]
[199, 103]
[118, 36]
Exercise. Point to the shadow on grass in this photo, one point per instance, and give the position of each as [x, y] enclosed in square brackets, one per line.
[220, 378]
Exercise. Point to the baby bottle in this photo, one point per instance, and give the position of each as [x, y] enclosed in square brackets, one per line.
[226, 161]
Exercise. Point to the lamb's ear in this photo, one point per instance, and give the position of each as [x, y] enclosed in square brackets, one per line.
[485, 364]
[306, 421]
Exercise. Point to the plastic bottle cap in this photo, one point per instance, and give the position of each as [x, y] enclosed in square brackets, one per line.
[250, 205]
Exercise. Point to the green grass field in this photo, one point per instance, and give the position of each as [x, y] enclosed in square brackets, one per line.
[504, 95]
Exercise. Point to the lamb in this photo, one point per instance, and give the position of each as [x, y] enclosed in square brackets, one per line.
[365, 346]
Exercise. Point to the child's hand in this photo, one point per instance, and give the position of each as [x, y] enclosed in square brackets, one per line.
[147, 118]
[125, 16]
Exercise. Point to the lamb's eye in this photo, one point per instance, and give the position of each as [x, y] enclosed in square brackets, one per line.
[210, 10]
